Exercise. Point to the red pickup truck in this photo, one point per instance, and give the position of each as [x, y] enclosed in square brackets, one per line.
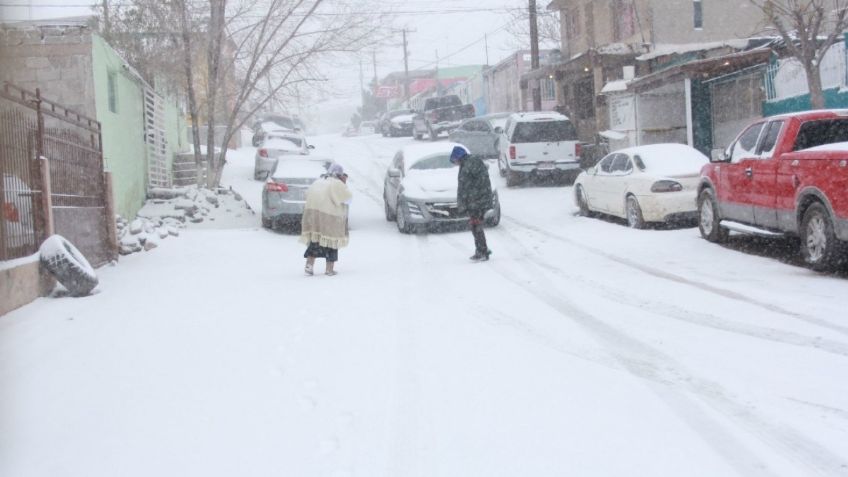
[783, 176]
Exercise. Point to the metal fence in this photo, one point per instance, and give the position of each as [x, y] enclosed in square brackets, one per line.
[47, 147]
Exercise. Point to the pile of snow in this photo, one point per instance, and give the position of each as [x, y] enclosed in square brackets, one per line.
[145, 234]
[167, 211]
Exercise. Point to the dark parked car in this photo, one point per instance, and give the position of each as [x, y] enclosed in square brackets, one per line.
[479, 135]
[397, 123]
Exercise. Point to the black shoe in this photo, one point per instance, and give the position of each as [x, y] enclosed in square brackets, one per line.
[481, 257]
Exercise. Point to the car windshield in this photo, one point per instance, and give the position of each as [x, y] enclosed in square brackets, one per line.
[435, 161]
[544, 131]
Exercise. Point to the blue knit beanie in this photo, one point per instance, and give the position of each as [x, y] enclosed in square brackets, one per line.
[459, 153]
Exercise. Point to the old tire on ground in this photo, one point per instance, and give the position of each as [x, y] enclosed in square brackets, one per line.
[820, 248]
[582, 203]
[634, 213]
[68, 265]
[708, 218]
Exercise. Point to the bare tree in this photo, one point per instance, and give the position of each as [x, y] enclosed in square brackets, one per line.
[808, 28]
[548, 26]
[256, 51]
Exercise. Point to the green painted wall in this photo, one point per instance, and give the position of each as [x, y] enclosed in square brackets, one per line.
[833, 98]
[124, 151]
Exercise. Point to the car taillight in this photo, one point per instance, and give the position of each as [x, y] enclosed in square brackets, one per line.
[10, 212]
[263, 153]
[272, 186]
[578, 149]
[512, 153]
[666, 186]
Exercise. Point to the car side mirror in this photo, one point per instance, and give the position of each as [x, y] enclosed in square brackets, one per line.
[718, 155]
[498, 130]
[394, 172]
[310, 146]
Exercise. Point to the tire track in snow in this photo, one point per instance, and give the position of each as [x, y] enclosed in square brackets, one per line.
[708, 320]
[682, 280]
[405, 444]
[673, 384]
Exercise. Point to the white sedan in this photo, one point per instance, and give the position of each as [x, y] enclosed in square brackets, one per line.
[655, 183]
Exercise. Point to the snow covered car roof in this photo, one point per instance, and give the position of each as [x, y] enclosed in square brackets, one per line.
[415, 152]
[667, 159]
[299, 168]
[284, 144]
[538, 116]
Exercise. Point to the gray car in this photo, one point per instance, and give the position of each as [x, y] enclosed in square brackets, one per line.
[480, 135]
[284, 194]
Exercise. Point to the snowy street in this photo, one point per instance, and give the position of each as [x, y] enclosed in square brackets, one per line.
[582, 348]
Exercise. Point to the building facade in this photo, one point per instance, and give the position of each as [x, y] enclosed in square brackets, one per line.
[602, 37]
[503, 84]
[70, 62]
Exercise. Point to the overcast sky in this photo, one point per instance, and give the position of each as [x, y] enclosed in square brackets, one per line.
[452, 29]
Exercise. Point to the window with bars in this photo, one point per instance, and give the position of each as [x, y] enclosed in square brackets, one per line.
[112, 86]
[548, 89]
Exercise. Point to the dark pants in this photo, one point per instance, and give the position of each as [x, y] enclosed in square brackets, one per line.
[480, 246]
[317, 251]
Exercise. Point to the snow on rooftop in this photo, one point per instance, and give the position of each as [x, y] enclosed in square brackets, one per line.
[663, 49]
[615, 86]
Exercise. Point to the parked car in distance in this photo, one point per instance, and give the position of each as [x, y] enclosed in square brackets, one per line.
[396, 123]
[284, 194]
[440, 114]
[783, 176]
[479, 134]
[538, 144]
[420, 188]
[277, 145]
[271, 123]
[655, 183]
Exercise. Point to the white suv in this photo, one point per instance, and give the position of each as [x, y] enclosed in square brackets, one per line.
[538, 144]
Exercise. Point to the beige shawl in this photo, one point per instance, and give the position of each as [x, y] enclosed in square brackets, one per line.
[325, 214]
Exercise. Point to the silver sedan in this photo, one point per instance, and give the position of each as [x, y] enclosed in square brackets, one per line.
[480, 135]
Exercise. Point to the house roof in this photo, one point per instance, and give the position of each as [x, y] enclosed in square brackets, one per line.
[702, 69]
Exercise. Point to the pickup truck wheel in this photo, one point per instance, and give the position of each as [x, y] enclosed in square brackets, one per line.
[708, 218]
[819, 246]
[267, 223]
[634, 213]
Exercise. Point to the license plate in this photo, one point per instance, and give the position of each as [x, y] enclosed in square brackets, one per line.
[547, 165]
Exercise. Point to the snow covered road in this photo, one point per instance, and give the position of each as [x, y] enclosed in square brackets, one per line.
[583, 348]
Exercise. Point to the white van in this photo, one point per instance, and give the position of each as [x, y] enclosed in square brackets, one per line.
[538, 144]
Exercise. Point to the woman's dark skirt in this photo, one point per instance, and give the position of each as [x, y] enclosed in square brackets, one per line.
[317, 251]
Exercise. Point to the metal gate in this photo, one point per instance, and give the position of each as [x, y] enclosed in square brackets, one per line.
[47, 147]
[157, 142]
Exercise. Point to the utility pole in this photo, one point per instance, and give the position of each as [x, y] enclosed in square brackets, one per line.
[534, 57]
[361, 85]
[486, 42]
[107, 26]
[405, 69]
